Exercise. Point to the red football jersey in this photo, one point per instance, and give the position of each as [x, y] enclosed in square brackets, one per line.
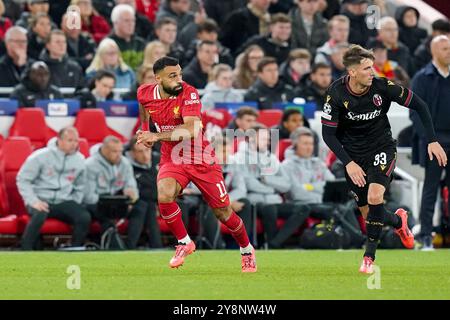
[167, 114]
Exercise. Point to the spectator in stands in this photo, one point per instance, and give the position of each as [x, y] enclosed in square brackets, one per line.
[130, 45]
[338, 30]
[221, 88]
[219, 10]
[111, 173]
[153, 51]
[144, 28]
[108, 57]
[189, 32]
[92, 22]
[329, 8]
[179, 10]
[196, 73]
[265, 180]
[276, 43]
[292, 120]
[149, 8]
[336, 62]
[356, 11]
[314, 86]
[432, 84]
[422, 55]
[166, 32]
[5, 22]
[244, 23]
[245, 119]
[410, 34]
[144, 75]
[80, 46]
[209, 31]
[246, 71]
[51, 183]
[387, 68]
[145, 173]
[40, 30]
[100, 88]
[295, 67]
[309, 28]
[64, 72]
[268, 89]
[34, 7]
[14, 62]
[397, 51]
[35, 85]
[307, 176]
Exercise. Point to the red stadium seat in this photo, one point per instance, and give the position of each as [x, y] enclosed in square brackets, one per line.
[9, 225]
[30, 122]
[283, 144]
[4, 202]
[270, 117]
[83, 147]
[16, 151]
[91, 125]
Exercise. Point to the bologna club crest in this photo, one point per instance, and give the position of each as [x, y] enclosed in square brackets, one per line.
[377, 100]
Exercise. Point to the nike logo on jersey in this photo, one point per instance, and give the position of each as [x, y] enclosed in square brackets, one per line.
[152, 111]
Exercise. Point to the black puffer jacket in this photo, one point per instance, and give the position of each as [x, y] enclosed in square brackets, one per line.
[410, 36]
[64, 72]
[27, 93]
[266, 96]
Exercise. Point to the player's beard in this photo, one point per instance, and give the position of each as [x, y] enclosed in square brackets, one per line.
[175, 91]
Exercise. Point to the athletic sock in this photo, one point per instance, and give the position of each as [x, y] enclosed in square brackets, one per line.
[171, 213]
[236, 226]
[185, 240]
[374, 224]
[391, 219]
[247, 250]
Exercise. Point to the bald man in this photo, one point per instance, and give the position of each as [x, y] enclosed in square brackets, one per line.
[397, 51]
[432, 84]
[51, 183]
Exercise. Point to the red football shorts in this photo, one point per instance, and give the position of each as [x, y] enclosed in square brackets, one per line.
[208, 179]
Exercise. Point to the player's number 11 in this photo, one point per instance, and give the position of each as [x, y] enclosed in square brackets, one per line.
[222, 189]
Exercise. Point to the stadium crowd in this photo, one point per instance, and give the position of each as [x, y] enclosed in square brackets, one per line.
[263, 51]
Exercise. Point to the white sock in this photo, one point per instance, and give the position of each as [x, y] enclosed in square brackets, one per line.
[185, 240]
[247, 249]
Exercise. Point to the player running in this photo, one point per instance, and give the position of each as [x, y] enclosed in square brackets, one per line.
[356, 128]
[174, 108]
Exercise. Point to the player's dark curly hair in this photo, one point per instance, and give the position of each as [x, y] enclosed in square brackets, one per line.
[355, 54]
[163, 62]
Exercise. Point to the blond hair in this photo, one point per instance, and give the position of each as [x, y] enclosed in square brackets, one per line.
[97, 62]
[149, 52]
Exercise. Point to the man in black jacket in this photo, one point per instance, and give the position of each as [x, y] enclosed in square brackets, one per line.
[314, 85]
[35, 85]
[276, 43]
[64, 71]
[196, 73]
[245, 22]
[145, 172]
[268, 89]
[422, 55]
[13, 63]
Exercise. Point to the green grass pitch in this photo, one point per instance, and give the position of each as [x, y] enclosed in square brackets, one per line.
[285, 274]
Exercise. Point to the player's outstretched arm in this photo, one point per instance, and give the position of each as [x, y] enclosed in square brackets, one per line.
[143, 115]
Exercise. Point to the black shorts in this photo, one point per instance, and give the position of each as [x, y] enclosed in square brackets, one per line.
[379, 167]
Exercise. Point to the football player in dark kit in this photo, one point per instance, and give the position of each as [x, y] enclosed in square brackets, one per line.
[356, 128]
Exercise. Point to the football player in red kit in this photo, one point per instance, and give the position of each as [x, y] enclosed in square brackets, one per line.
[174, 108]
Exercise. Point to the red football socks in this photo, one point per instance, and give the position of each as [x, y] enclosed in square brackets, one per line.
[237, 229]
[171, 213]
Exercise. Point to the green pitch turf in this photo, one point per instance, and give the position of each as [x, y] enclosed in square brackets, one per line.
[217, 275]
